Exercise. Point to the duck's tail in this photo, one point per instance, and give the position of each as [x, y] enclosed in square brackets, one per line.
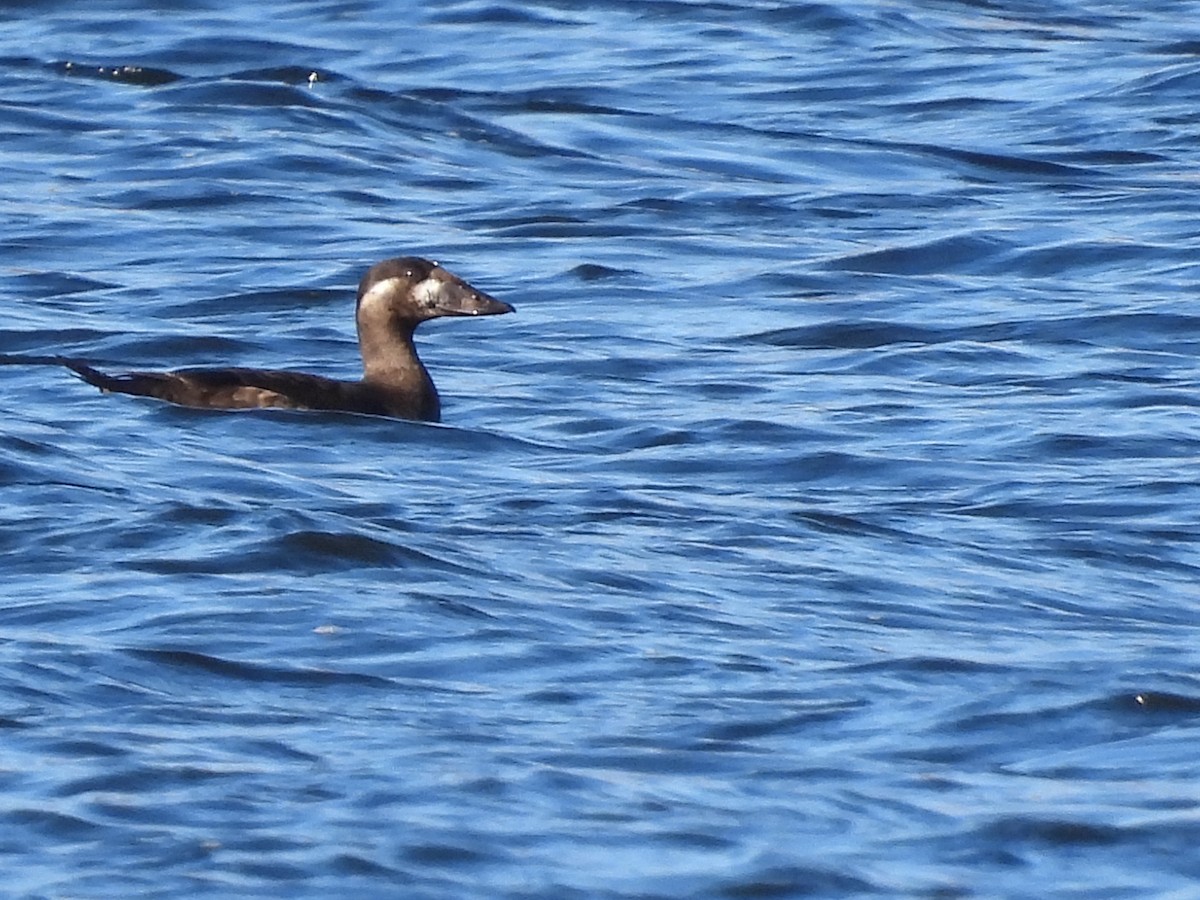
[88, 374]
[144, 384]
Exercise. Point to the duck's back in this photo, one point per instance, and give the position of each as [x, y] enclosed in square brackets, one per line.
[239, 388]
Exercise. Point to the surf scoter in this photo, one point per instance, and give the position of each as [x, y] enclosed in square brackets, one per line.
[394, 297]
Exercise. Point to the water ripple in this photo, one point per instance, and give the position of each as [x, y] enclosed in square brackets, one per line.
[823, 523]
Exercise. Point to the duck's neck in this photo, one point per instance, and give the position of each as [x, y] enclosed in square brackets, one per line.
[390, 360]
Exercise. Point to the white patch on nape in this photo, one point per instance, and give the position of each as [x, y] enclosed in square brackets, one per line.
[380, 294]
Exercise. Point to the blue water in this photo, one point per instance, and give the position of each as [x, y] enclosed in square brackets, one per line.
[824, 523]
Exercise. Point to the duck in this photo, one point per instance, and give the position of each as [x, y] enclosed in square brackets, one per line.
[394, 297]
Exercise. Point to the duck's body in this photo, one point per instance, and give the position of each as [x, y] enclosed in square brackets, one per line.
[259, 388]
[394, 297]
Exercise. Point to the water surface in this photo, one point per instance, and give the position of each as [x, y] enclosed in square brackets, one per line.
[822, 524]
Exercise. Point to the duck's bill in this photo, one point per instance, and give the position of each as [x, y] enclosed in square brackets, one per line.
[457, 298]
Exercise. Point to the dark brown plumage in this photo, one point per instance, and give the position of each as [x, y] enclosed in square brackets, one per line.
[394, 297]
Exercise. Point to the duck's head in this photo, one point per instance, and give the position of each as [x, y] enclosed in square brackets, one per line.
[409, 290]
